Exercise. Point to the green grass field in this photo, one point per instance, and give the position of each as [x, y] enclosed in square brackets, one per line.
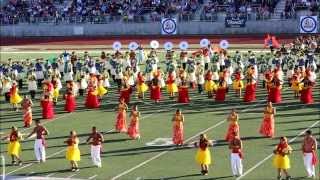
[133, 159]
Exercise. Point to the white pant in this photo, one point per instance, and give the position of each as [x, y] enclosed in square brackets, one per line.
[95, 155]
[39, 150]
[308, 164]
[236, 164]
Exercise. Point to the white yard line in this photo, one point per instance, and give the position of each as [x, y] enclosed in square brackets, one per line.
[168, 150]
[71, 176]
[270, 155]
[92, 177]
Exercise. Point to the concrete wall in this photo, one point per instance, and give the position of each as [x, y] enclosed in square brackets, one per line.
[188, 28]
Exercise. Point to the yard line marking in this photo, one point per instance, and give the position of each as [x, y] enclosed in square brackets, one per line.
[164, 152]
[48, 121]
[93, 176]
[270, 155]
[71, 176]
[51, 174]
[30, 164]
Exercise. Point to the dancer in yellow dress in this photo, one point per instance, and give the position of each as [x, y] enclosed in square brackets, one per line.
[73, 152]
[101, 90]
[15, 98]
[14, 147]
[203, 156]
[281, 160]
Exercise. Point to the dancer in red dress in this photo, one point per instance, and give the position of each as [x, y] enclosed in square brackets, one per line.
[275, 91]
[233, 126]
[125, 92]
[267, 126]
[27, 111]
[221, 91]
[178, 120]
[306, 92]
[70, 104]
[121, 125]
[133, 130]
[47, 107]
[155, 90]
[183, 93]
[92, 98]
[250, 94]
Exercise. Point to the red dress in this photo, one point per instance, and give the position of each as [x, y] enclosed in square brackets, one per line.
[183, 95]
[177, 138]
[233, 127]
[221, 94]
[267, 126]
[70, 105]
[133, 130]
[121, 124]
[306, 95]
[47, 109]
[125, 94]
[250, 94]
[275, 94]
[155, 93]
[92, 99]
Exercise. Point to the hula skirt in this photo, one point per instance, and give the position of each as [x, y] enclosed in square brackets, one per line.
[14, 148]
[73, 153]
[101, 90]
[203, 157]
[172, 88]
[281, 162]
[56, 93]
[15, 99]
[142, 88]
[209, 86]
[237, 84]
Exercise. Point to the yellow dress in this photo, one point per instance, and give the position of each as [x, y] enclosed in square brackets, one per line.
[15, 98]
[101, 90]
[142, 88]
[282, 162]
[56, 93]
[14, 148]
[203, 156]
[73, 153]
[172, 88]
[296, 86]
[209, 86]
[237, 84]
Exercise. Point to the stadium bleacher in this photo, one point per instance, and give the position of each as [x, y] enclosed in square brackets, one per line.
[104, 11]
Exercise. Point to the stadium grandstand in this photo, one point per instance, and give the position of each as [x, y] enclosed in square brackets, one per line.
[105, 11]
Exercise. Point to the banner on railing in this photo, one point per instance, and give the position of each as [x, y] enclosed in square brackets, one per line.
[235, 22]
[308, 24]
[168, 26]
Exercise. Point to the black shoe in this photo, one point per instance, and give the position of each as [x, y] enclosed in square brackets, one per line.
[202, 172]
[279, 178]
[20, 163]
[13, 163]
[288, 178]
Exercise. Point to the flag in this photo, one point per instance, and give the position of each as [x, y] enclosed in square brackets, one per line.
[271, 41]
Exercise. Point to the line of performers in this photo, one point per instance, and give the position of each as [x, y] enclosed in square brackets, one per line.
[95, 87]
[203, 157]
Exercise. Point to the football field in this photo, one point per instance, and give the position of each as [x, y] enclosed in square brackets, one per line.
[152, 156]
